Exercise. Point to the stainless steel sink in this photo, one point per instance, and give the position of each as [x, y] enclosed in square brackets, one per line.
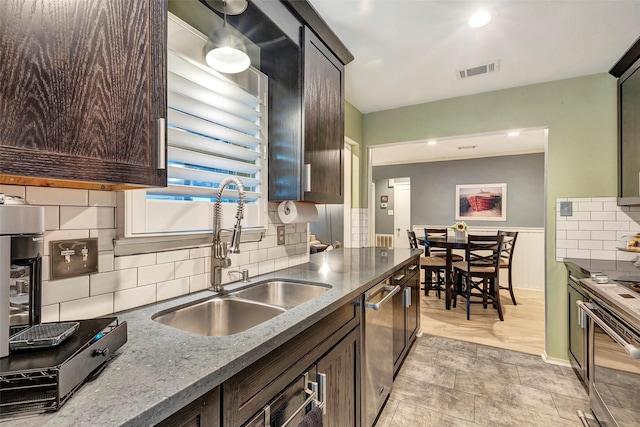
[281, 293]
[218, 316]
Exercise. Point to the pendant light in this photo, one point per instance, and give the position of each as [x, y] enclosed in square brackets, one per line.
[225, 51]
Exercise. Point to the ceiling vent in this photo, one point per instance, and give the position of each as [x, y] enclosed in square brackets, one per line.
[489, 67]
[467, 147]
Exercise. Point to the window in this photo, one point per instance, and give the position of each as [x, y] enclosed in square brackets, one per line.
[216, 127]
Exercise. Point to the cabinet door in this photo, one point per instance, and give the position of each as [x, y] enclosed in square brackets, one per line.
[323, 120]
[204, 411]
[83, 87]
[341, 366]
[399, 327]
[413, 308]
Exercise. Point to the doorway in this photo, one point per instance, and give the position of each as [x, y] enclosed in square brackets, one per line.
[401, 212]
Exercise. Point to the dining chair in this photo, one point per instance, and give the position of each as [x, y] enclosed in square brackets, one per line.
[506, 258]
[477, 276]
[432, 266]
[439, 252]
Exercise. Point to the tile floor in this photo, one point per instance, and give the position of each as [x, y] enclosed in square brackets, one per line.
[446, 382]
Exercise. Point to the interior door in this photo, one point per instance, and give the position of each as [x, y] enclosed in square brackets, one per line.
[401, 214]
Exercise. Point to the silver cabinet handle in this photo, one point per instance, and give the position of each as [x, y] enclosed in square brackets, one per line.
[633, 351]
[412, 267]
[307, 177]
[322, 392]
[583, 319]
[161, 133]
[407, 297]
[377, 306]
[399, 277]
[574, 279]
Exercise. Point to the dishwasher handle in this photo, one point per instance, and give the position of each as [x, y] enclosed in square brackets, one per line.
[378, 305]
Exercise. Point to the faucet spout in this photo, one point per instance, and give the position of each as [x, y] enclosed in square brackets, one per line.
[220, 251]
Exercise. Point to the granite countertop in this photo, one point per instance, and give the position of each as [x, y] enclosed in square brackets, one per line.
[621, 299]
[161, 369]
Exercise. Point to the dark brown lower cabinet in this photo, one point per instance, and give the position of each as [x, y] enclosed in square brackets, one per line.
[202, 412]
[340, 366]
[406, 314]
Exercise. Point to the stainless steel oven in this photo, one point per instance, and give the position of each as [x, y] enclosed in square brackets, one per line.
[614, 366]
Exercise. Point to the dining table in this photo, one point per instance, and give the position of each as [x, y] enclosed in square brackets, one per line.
[449, 243]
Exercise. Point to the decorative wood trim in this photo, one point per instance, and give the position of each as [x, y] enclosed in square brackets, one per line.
[313, 20]
[627, 60]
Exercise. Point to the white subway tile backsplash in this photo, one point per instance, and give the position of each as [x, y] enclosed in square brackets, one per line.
[579, 253]
[171, 256]
[590, 244]
[199, 252]
[567, 244]
[617, 225]
[603, 216]
[578, 235]
[611, 206]
[258, 256]
[579, 216]
[199, 282]
[281, 263]
[591, 225]
[266, 267]
[603, 235]
[57, 196]
[132, 261]
[156, 273]
[102, 198]
[87, 308]
[105, 261]
[567, 225]
[105, 238]
[64, 290]
[51, 218]
[50, 313]
[173, 288]
[112, 281]
[46, 268]
[189, 267]
[590, 206]
[74, 218]
[134, 297]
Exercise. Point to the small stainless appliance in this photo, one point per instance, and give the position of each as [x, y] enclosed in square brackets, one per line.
[377, 361]
[21, 249]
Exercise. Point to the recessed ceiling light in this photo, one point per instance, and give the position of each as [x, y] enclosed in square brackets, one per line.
[513, 134]
[432, 142]
[479, 19]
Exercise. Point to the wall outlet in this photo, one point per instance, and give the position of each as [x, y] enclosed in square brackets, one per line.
[566, 209]
[72, 258]
[280, 230]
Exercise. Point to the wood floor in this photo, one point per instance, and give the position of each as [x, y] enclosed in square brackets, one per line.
[522, 329]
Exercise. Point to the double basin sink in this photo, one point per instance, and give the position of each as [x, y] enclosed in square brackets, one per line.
[239, 310]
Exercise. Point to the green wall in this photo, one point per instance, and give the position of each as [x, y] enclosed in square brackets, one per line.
[581, 158]
[353, 130]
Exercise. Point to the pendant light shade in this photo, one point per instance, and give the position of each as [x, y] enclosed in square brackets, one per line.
[225, 51]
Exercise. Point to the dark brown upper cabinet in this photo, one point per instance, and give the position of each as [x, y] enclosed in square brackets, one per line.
[83, 92]
[323, 123]
[627, 70]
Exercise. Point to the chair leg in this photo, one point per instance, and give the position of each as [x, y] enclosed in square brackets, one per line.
[496, 297]
[484, 293]
[513, 297]
[468, 298]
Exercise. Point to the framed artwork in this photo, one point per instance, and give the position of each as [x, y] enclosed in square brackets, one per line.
[481, 202]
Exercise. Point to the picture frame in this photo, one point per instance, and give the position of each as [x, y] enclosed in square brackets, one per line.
[481, 202]
[384, 199]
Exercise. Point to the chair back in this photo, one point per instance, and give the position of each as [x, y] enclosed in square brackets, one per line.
[483, 254]
[434, 232]
[413, 242]
[508, 244]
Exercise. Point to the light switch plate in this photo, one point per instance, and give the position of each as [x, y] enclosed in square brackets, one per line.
[566, 208]
[72, 258]
[390, 212]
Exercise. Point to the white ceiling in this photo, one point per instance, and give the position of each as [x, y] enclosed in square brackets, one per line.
[409, 51]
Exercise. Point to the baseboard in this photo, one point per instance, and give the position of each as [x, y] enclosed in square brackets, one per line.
[554, 361]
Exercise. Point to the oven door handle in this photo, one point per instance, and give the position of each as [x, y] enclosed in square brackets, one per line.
[633, 351]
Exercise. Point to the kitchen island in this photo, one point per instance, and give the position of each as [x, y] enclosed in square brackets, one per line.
[161, 369]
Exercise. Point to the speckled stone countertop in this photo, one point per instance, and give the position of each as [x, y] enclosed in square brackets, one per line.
[161, 369]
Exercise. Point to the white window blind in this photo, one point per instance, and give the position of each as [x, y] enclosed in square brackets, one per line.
[215, 128]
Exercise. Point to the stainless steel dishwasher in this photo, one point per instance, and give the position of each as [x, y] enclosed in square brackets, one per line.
[377, 348]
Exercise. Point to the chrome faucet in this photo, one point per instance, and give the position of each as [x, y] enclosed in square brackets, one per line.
[220, 251]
